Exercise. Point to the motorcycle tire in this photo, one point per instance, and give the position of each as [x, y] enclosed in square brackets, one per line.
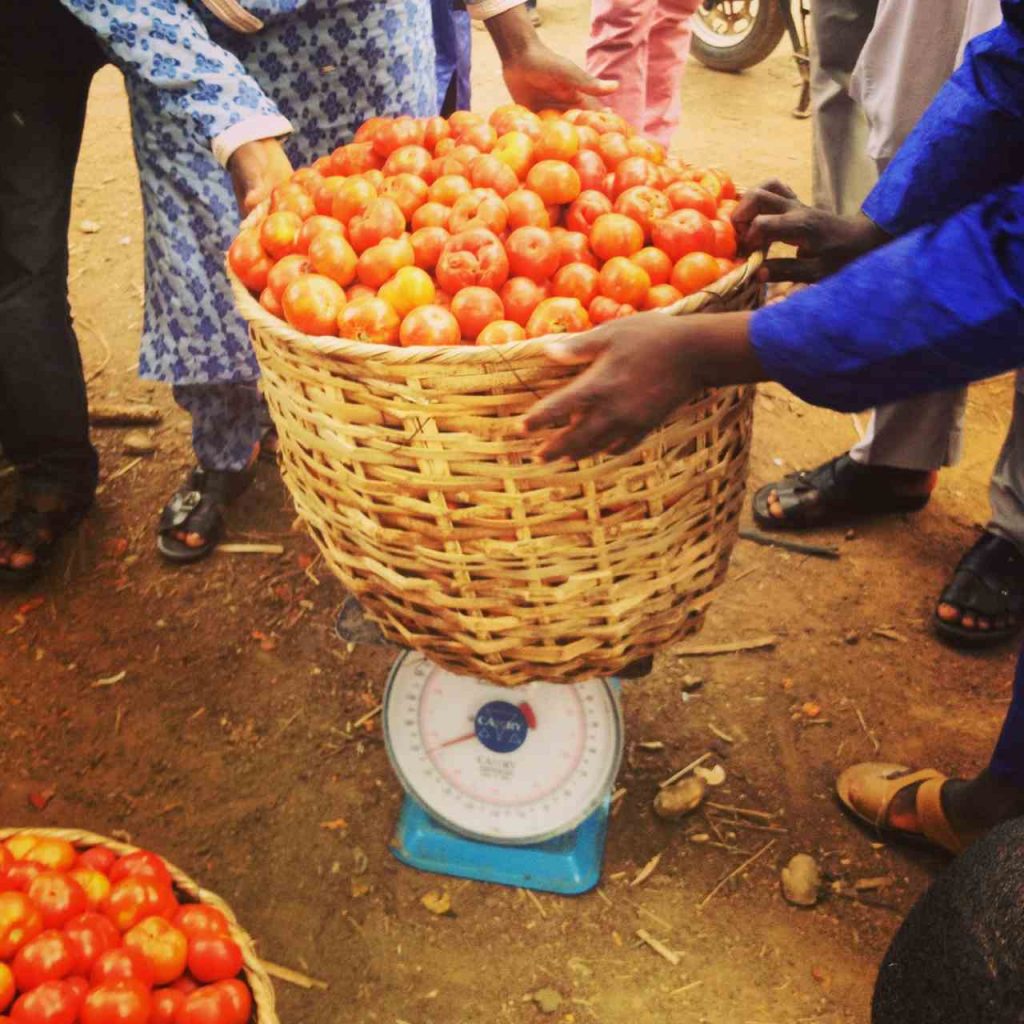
[756, 45]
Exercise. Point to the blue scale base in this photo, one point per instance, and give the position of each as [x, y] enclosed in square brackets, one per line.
[569, 864]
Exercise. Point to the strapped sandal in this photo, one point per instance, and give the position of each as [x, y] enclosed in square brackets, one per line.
[198, 507]
[835, 492]
[24, 530]
[987, 583]
[867, 791]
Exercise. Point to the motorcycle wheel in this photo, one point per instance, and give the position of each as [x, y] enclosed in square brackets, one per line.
[733, 35]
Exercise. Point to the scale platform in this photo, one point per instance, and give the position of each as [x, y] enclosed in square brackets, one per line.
[510, 786]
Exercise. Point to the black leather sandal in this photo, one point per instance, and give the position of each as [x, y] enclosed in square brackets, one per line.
[198, 507]
[34, 528]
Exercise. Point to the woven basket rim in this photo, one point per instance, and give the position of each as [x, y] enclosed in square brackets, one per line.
[329, 345]
[260, 985]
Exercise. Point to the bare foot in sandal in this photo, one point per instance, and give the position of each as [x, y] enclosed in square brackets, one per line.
[27, 536]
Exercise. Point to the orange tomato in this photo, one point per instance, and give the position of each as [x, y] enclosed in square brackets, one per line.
[520, 296]
[279, 233]
[409, 288]
[526, 209]
[513, 117]
[481, 136]
[331, 255]
[615, 234]
[290, 195]
[351, 198]
[427, 244]
[726, 266]
[20, 921]
[694, 271]
[324, 195]
[717, 182]
[498, 332]
[248, 260]
[590, 167]
[407, 160]
[95, 884]
[724, 244]
[487, 171]
[661, 295]
[648, 148]
[430, 215]
[314, 226]
[311, 304]
[372, 320]
[162, 945]
[285, 271]
[475, 256]
[726, 207]
[515, 149]
[624, 281]
[272, 304]
[475, 308]
[576, 281]
[557, 316]
[532, 252]
[644, 204]
[382, 219]
[382, 261]
[356, 292]
[355, 158]
[603, 309]
[688, 195]
[574, 247]
[585, 209]
[613, 148]
[558, 140]
[434, 130]
[430, 325]
[682, 232]
[480, 207]
[448, 187]
[309, 178]
[7, 989]
[633, 171]
[396, 133]
[554, 181]
[655, 262]
[407, 190]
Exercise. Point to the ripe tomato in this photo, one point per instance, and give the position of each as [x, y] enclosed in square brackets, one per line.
[613, 148]
[557, 316]
[318, 224]
[688, 195]
[655, 262]
[409, 288]
[602, 309]
[471, 257]
[355, 158]
[644, 204]
[694, 271]
[430, 325]
[726, 266]
[238, 998]
[482, 136]
[475, 308]
[487, 171]
[330, 255]
[633, 171]
[516, 151]
[90, 935]
[7, 987]
[6, 860]
[558, 140]
[532, 252]
[574, 247]
[513, 117]
[18, 845]
[207, 1005]
[163, 945]
[582, 213]
[311, 304]
[121, 964]
[466, 154]
[165, 1004]
[132, 899]
[481, 207]
[407, 190]
[357, 291]
[408, 160]
[448, 187]
[199, 919]
[350, 198]
[290, 195]
[431, 215]
[99, 858]
[52, 854]
[117, 1002]
[726, 207]
[591, 169]
[526, 209]
[325, 193]
[47, 957]
[615, 234]
[717, 182]
[20, 921]
[382, 261]
[309, 178]
[371, 320]
[576, 281]
[427, 244]
[382, 219]
[653, 151]
[20, 875]
[554, 181]
[661, 295]
[281, 275]
[434, 130]
[724, 244]
[395, 133]
[53, 1002]
[682, 232]
[498, 332]
[249, 262]
[624, 281]
[279, 234]
[520, 296]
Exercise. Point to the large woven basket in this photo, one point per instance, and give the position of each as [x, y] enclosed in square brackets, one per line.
[262, 988]
[409, 469]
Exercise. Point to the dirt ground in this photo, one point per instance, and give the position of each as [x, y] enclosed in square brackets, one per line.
[206, 713]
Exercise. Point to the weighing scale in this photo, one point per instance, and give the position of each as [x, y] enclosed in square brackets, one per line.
[506, 785]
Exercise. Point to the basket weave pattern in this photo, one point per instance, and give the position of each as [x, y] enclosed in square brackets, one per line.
[262, 988]
[409, 469]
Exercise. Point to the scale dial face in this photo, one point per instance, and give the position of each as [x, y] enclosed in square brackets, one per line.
[504, 765]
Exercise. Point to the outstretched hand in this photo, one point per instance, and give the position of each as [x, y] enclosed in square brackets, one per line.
[825, 242]
[255, 169]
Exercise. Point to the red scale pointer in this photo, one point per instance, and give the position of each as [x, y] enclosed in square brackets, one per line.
[527, 713]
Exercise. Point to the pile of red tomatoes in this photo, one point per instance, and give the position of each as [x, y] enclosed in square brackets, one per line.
[486, 230]
[88, 937]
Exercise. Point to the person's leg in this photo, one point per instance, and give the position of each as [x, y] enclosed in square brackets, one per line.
[619, 31]
[668, 46]
[923, 434]
[959, 956]
[1006, 491]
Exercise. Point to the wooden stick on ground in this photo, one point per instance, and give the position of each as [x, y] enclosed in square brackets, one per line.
[745, 812]
[814, 550]
[251, 549]
[676, 776]
[293, 977]
[123, 414]
[659, 947]
[757, 643]
[736, 871]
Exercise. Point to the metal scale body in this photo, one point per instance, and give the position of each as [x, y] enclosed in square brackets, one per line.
[502, 785]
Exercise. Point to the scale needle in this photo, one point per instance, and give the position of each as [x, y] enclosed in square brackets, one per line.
[527, 712]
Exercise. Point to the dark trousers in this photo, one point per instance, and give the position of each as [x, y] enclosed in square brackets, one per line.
[47, 60]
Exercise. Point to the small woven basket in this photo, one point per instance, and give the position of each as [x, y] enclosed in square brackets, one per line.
[409, 469]
[256, 977]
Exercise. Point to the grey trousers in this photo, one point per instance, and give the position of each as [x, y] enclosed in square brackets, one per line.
[926, 432]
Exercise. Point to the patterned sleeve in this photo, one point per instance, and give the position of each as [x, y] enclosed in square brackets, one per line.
[165, 44]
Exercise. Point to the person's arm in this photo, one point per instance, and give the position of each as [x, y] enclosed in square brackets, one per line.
[969, 141]
[536, 76]
[935, 309]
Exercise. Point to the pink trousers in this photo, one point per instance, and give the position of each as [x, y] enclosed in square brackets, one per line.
[642, 45]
